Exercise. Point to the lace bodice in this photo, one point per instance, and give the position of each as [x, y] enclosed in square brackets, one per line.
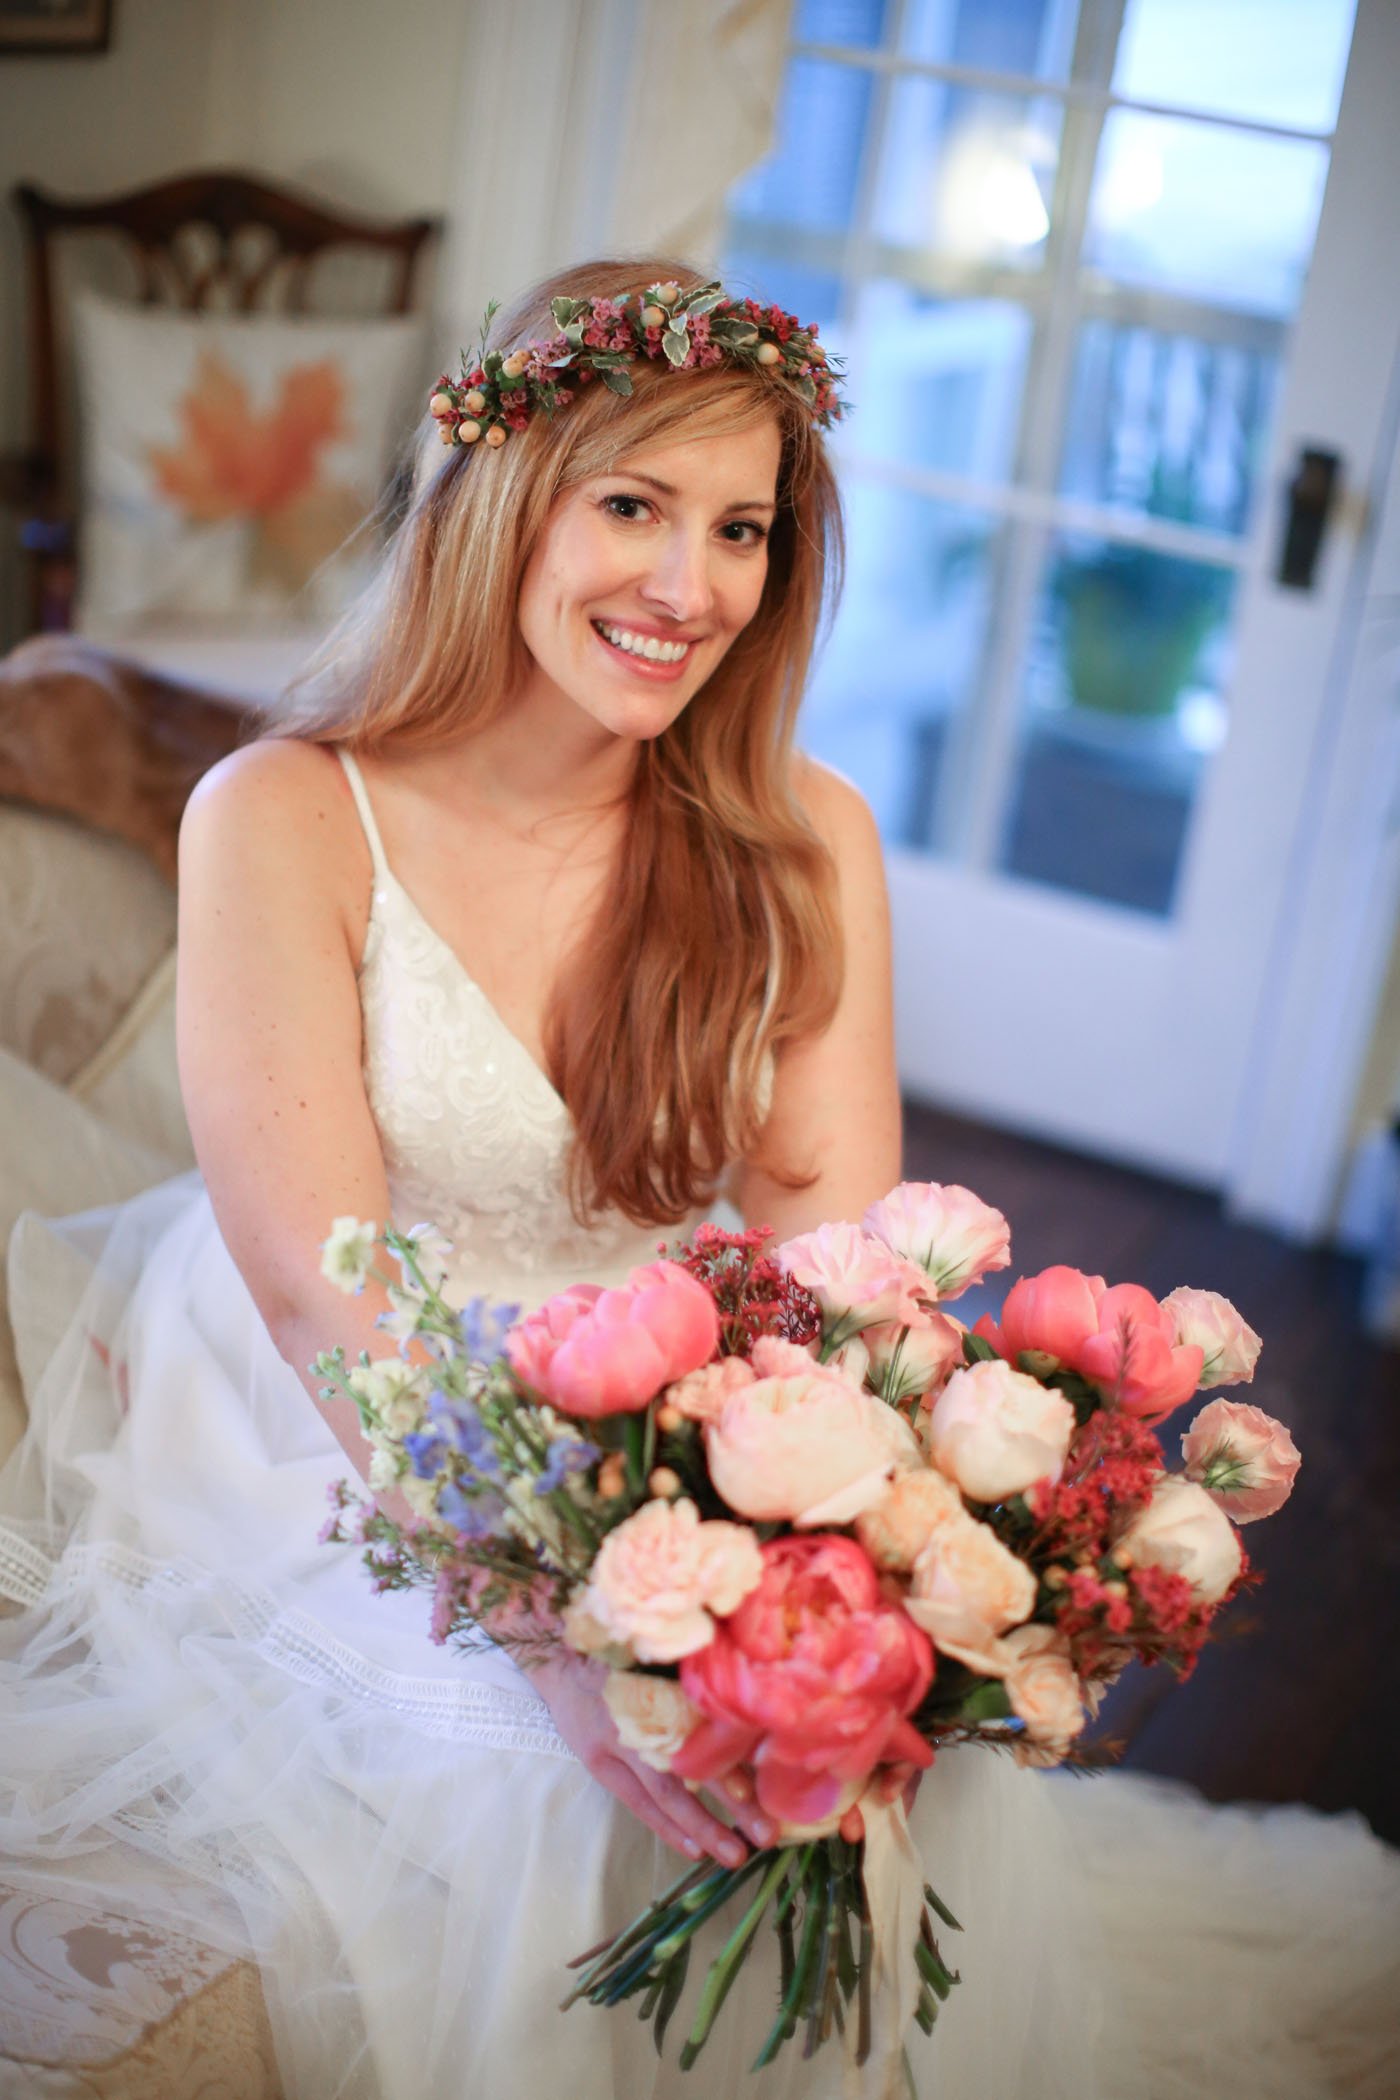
[475, 1136]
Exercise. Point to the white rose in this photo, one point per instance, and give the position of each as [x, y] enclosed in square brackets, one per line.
[995, 1431]
[652, 1715]
[1042, 1686]
[1186, 1532]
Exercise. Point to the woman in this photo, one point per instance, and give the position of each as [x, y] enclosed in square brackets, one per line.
[517, 929]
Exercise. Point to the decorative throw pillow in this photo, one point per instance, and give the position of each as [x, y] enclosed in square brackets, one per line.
[229, 462]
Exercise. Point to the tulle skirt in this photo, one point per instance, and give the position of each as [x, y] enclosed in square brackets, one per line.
[201, 1704]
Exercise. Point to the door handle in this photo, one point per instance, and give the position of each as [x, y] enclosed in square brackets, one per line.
[1312, 494]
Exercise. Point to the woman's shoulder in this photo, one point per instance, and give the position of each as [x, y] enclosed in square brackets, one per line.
[276, 812]
[836, 809]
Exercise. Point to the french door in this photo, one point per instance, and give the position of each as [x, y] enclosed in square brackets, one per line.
[1119, 291]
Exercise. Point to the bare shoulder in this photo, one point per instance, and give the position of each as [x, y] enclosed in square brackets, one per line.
[276, 809]
[838, 812]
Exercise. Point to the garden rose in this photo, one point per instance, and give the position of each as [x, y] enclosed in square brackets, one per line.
[600, 1352]
[662, 1575]
[1244, 1459]
[995, 1431]
[913, 1358]
[895, 1530]
[1184, 1531]
[1204, 1320]
[952, 1235]
[1042, 1686]
[811, 1449]
[968, 1589]
[856, 1279]
[810, 1681]
[652, 1715]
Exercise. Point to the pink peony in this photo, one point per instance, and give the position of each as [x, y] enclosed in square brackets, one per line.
[598, 1352]
[663, 1574]
[967, 1590]
[1134, 1360]
[996, 1431]
[1244, 1459]
[914, 1358]
[1183, 1531]
[811, 1681]
[856, 1279]
[809, 1449]
[1229, 1344]
[951, 1234]
[1053, 1314]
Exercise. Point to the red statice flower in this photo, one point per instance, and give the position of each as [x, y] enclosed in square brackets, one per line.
[752, 1294]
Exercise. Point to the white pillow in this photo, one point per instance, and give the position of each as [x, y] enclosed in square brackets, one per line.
[226, 459]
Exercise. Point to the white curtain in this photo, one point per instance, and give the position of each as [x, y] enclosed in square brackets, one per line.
[601, 126]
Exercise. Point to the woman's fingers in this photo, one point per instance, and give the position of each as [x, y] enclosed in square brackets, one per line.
[756, 1824]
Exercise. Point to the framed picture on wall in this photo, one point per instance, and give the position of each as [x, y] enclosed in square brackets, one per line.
[57, 28]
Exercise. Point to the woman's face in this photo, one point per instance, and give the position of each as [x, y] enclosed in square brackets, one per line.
[667, 552]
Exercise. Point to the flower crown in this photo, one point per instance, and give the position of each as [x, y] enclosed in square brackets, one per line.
[599, 338]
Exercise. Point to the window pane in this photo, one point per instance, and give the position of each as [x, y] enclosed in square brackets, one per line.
[1122, 708]
[904, 655]
[810, 177]
[940, 379]
[1276, 61]
[1204, 212]
[1168, 424]
[857, 22]
[965, 175]
[999, 36]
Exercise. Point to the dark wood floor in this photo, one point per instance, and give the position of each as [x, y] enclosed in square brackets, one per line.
[1304, 1705]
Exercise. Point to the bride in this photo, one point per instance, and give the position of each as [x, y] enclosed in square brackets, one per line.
[517, 923]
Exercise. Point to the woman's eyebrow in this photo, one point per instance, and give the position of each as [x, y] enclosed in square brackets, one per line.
[665, 489]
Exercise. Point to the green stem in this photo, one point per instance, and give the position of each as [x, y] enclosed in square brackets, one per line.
[726, 1967]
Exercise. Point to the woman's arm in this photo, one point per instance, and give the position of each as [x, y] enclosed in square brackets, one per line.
[836, 1108]
[269, 1031]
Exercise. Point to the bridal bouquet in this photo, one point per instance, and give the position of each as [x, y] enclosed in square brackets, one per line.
[816, 1529]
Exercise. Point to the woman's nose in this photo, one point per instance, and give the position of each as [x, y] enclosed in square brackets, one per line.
[679, 579]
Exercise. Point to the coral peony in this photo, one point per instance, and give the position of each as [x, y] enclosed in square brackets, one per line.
[968, 1589]
[1228, 1343]
[811, 1681]
[952, 1235]
[1242, 1457]
[809, 1449]
[663, 1574]
[601, 1352]
[1053, 1314]
[1134, 1359]
[995, 1431]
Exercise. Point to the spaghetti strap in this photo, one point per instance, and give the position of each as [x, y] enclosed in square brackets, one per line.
[362, 804]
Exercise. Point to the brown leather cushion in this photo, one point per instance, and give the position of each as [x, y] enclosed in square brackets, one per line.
[84, 733]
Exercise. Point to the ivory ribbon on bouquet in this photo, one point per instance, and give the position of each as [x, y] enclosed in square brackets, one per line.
[893, 1875]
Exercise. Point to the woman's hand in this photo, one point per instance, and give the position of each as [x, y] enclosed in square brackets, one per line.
[571, 1686]
[902, 1779]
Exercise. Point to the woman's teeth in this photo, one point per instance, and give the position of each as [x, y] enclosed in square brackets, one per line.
[647, 645]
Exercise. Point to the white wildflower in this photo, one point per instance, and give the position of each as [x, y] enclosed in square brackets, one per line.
[347, 1254]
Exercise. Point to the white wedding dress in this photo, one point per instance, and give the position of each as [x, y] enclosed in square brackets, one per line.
[398, 1834]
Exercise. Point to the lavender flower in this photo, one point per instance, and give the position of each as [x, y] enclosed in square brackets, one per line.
[474, 1516]
[566, 1455]
[483, 1328]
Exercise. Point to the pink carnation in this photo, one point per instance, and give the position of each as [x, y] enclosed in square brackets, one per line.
[1244, 1459]
[661, 1577]
[951, 1234]
[856, 1279]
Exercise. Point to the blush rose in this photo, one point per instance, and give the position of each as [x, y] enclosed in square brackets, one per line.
[810, 1449]
[996, 1431]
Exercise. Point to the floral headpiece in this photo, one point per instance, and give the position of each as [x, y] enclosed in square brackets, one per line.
[599, 338]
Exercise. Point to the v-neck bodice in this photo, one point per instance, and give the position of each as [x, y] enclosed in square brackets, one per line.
[475, 1137]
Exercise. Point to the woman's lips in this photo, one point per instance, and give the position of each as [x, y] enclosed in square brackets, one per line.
[643, 666]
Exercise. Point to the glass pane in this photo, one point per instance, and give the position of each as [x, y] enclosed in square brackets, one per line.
[810, 177]
[940, 379]
[967, 175]
[757, 270]
[904, 655]
[860, 23]
[997, 36]
[1168, 424]
[1122, 709]
[1275, 61]
[1205, 212]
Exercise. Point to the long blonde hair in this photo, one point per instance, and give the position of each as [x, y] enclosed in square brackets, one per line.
[719, 937]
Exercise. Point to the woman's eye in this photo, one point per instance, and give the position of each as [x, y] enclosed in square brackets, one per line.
[760, 532]
[635, 501]
[748, 533]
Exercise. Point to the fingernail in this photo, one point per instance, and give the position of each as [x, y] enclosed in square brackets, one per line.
[692, 1847]
[733, 1854]
[763, 1829]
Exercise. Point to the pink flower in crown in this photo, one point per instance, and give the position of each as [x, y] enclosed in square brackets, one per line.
[597, 1352]
[857, 1280]
[1245, 1460]
[953, 1235]
[811, 1681]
